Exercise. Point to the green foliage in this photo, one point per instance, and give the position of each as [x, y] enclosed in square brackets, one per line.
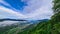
[6, 28]
[41, 28]
[56, 6]
[56, 17]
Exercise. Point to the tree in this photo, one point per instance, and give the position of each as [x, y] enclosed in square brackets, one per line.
[55, 19]
[56, 6]
[56, 9]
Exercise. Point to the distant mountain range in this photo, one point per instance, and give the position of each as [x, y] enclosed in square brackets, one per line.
[7, 19]
[7, 24]
[20, 21]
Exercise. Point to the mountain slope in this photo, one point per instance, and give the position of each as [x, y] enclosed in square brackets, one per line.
[21, 25]
[44, 27]
[41, 28]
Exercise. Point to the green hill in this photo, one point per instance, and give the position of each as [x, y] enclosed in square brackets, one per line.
[41, 28]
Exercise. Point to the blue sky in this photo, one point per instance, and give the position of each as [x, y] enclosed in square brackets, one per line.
[26, 9]
[17, 4]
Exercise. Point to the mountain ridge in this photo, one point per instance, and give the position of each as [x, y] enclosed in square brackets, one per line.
[5, 19]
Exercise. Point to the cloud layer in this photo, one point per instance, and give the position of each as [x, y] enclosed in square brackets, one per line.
[36, 10]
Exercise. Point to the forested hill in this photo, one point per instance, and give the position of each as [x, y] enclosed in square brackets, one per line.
[44, 27]
[7, 19]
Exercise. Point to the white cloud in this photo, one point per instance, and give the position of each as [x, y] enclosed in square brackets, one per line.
[41, 13]
[39, 9]
[4, 23]
[32, 5]
[5, 3]
[36, 9]
[14, 13]
[8, 22]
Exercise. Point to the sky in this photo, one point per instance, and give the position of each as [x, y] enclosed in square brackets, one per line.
[26, 9]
